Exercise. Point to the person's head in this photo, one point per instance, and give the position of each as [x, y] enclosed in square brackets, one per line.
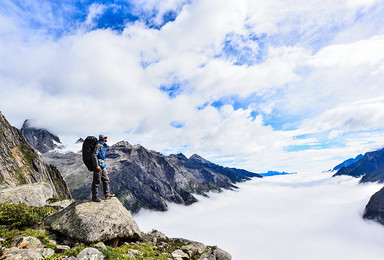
[103, 138]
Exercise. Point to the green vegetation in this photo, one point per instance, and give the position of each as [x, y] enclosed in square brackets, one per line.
[22, 215]
[20, 220]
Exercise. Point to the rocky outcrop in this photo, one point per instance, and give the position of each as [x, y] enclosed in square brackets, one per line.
[90, 222]
[20, 164]
[375, 207]
[370, 167]
[142, 178]
[188, 250]
[40, 139]
[161, 247]
[36, 194]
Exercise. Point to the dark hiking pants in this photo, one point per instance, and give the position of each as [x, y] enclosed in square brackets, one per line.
[98, 177]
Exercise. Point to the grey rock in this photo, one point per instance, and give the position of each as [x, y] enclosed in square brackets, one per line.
[101, 245]
[28, 242]
[90, 222]
[201, 248]
[207, 256]
[374, 210]
[35, 194]
[191, 250]
[220, 254]
[132, 253]
[62, 248]
[20, 164]
[179, 254]
[90, 254]
[15, 253]
[61, 204]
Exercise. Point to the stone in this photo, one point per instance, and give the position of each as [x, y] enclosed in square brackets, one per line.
[207, 256]
[90, 254]
[201, 248]
[101, 245]
[62, 248]
[61, 204]
[179, 254]
[28, 242]
[132, 253]
[14, 253]
[35, 194]
[90, 222]
[220, 254]
[191, 250]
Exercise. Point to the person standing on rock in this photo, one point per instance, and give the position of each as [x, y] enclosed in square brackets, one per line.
[100, 173]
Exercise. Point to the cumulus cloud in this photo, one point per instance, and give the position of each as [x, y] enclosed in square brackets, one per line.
[304, 216]
[251, 81]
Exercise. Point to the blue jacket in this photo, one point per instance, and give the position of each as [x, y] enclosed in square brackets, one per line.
[99, 154]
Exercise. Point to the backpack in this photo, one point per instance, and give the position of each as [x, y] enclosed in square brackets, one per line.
[87, 151]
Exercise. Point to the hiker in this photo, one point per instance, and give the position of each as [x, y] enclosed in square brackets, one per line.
[100, 173]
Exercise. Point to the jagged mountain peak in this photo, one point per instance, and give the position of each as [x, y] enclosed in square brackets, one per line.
[40, 139]
[198, 158]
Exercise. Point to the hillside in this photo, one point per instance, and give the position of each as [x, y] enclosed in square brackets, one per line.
[20, 164]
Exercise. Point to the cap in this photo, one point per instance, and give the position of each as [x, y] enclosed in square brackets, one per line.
[101, 137]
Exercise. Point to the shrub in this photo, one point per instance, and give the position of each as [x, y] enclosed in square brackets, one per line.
[22, 215]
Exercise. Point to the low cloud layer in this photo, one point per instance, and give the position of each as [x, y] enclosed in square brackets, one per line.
[301, 217]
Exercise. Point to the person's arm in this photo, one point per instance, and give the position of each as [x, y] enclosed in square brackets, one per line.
[95, 160]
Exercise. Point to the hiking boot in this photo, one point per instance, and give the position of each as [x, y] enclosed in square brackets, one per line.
[96, 199]
[108, 196]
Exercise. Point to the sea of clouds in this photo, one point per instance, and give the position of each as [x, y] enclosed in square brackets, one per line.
[298, 217]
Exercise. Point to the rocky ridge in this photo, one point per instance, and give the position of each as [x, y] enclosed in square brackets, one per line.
[370, 167]
[20, 164]
[143, 178]
[40, 139]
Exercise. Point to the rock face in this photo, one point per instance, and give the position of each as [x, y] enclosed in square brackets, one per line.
[370, 167]
[40, 139]
[142, 178]
[20, 164]
[375, 207]
[95, 221]
[35, 194]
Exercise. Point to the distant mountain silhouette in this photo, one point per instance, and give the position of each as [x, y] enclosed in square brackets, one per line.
[369, 167]
[347, 163]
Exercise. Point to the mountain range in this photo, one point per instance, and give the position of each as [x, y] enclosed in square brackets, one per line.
[370, 167]
[140, 178]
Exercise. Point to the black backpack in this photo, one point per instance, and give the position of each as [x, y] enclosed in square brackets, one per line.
[87, 151]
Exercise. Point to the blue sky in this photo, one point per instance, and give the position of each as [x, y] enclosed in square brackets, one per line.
[277, 85]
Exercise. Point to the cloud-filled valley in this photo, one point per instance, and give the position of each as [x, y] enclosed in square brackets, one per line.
[304, 216]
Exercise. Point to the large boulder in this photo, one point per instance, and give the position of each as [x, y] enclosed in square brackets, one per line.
[90, 222]
[35, 194]
[375, 207]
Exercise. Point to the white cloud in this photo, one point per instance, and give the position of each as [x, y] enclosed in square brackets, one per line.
[102, 81]
[304, 216]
